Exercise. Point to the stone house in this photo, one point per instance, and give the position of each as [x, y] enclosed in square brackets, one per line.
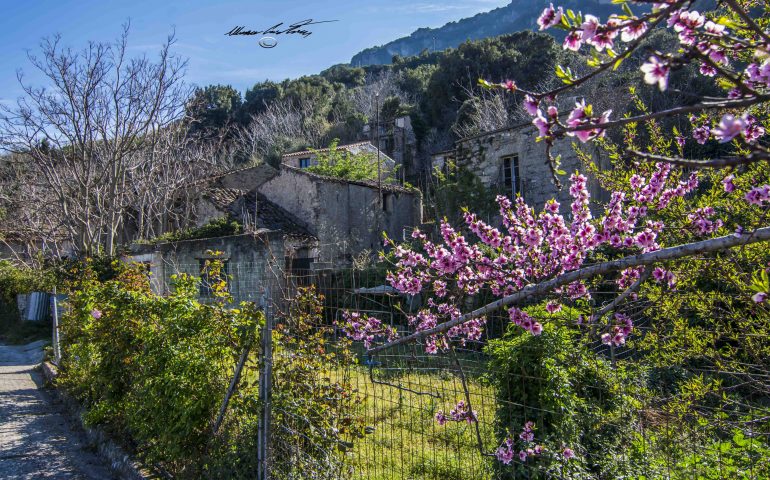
[249, 260]
[294, 221]
[347, 217]
[25, 244]
[511, 162]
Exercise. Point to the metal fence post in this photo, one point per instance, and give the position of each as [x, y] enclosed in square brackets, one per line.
[55, 339]
[265, 388]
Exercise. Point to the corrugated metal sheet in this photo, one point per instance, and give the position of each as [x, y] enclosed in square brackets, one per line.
[38, 307]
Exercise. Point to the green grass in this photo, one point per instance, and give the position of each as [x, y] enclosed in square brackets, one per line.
[406, 441]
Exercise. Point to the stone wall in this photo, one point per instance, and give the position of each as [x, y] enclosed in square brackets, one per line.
[251, 261]
[483, 155]
[345, 216]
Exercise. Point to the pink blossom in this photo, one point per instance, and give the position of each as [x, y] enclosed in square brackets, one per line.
[531, 105]
[573, 41]
[504, 454]
[358, 328]
[728, 183]
[96, 314]
[689, 21]
[543, 127]
[567, 453]
[729, 128]
[752, 129]
[536, 329]
[441, 419]
[701, 134]
[656, 72]
[633, 30]
[758, 195]
[552, 307]
[550, 17]
[759, 74]
[579, 117]
[714, 28]
[461, 412]
[707, 70]
[553, 112]
[589, 27]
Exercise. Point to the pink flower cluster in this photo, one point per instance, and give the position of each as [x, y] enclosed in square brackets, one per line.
[591, 31]
[359, 328]
[701, 221]
[507, 452]
[731, 126]
[758, 75]
[579, 117]
[758, 195]
[620, 331]
[460, 413]
[661, 275]
[523, 320]
[529, 248]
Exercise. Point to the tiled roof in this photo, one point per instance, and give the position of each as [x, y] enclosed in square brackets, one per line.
[269, 215]
[222, 198]
[273, 217]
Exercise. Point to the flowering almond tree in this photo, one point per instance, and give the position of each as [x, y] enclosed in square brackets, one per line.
[547, 255]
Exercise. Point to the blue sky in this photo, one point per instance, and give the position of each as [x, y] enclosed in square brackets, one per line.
[200, 27]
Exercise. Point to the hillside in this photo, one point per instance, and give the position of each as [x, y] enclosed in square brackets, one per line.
[517, 16]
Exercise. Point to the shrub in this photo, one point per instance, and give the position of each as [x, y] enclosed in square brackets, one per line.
[574, 397]
[155, 368]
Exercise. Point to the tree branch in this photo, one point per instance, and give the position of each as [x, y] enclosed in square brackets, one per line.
[755, 156]
[649, 258]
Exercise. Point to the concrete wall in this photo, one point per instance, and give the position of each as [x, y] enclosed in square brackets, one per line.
[483, 155]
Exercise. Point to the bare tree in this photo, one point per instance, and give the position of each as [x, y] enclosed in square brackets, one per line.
[174, 161]
[385, 85]
[280, 121]
[82, 132]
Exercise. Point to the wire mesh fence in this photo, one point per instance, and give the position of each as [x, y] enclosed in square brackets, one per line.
[675, 401]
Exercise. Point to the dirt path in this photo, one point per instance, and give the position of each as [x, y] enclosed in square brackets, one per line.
[36, 440]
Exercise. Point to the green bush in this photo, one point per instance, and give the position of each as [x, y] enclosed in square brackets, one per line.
[153, 368]
[218, 227]
[343, 164]
[574, 397]
[16, 280]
